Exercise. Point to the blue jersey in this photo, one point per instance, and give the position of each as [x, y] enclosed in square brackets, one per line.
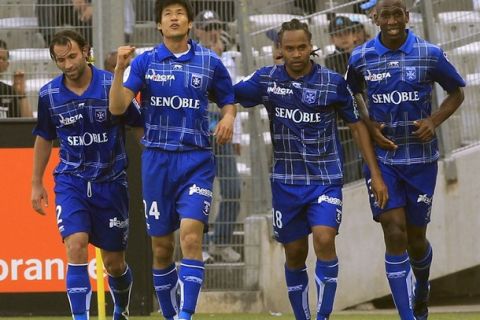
[92, 140]
[303, 126]
[175, 93]
[399, 89]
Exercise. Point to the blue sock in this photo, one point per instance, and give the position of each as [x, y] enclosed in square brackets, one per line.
[191, 279]
[120, 288]
[399, 278]
[326, 273]
[297, 285]
[421, 268]
[165, 283]
[79, 290]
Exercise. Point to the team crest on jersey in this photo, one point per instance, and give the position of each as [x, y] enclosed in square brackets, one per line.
[196, 80]
[100, 115]
[411, 73]
[309, 96]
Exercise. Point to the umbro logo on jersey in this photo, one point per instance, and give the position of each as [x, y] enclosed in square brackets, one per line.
[177, 67]
[393, 64]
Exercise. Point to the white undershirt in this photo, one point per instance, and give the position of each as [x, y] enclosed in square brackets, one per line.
[178, 55]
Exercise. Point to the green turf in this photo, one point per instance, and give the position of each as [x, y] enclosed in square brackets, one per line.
[438, 316]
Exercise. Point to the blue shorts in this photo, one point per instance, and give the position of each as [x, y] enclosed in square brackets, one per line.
[176, 185]
[410, 187]
[297, 208]
[99, 209]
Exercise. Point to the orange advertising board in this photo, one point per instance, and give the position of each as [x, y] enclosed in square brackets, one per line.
[32, 254]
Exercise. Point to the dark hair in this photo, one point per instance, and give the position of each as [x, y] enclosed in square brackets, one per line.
[66, 37]
[3, 45]
[293, 25]
[162, 4]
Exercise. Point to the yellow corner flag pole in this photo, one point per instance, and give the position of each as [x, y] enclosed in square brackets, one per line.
[100, 285]
[98, 256]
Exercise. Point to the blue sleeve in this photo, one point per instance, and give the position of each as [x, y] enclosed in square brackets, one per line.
[347, 107]
[222, 85]
[248, 92]
[445, 73]
[44, 127]
[134, 75]
[133, 116]
[354, 78]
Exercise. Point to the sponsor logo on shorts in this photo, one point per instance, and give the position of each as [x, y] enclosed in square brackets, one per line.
[115, 223]
[331, 200]
[338, 216]
[425, 199]
[206, 207]
[201, 191]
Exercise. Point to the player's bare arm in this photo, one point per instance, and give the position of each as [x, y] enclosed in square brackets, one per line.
[41, 155]
[120, 97]
[224, 130]
[362, 138]
[426, 127]
[374, 128]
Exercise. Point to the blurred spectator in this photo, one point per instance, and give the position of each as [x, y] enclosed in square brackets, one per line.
[343, 38]
[13, 101]
[129, 23]
[272, 34]
[54, 14]
[369, 7]
[225, 9]
[110, 61]
[306, 6]
[211, 33]
[343, 35]
[360, 34]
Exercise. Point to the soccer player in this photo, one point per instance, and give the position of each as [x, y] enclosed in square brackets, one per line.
[91, 198]
[398, 69]
[175, 80]
[303, 100]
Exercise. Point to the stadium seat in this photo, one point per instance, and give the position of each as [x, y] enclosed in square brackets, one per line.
[457, 24]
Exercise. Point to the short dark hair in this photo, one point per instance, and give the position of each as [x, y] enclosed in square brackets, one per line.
[162, 4]
[293, 25]
[3, 45]
[66, 37]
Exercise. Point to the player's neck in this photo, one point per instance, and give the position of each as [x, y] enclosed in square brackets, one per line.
[176, 45]
[393, 44]
[298, 74]
[80, 85]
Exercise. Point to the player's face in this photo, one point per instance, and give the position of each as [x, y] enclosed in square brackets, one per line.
[392, 18]
[71, 60]
[296, 49]
[174, 22]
